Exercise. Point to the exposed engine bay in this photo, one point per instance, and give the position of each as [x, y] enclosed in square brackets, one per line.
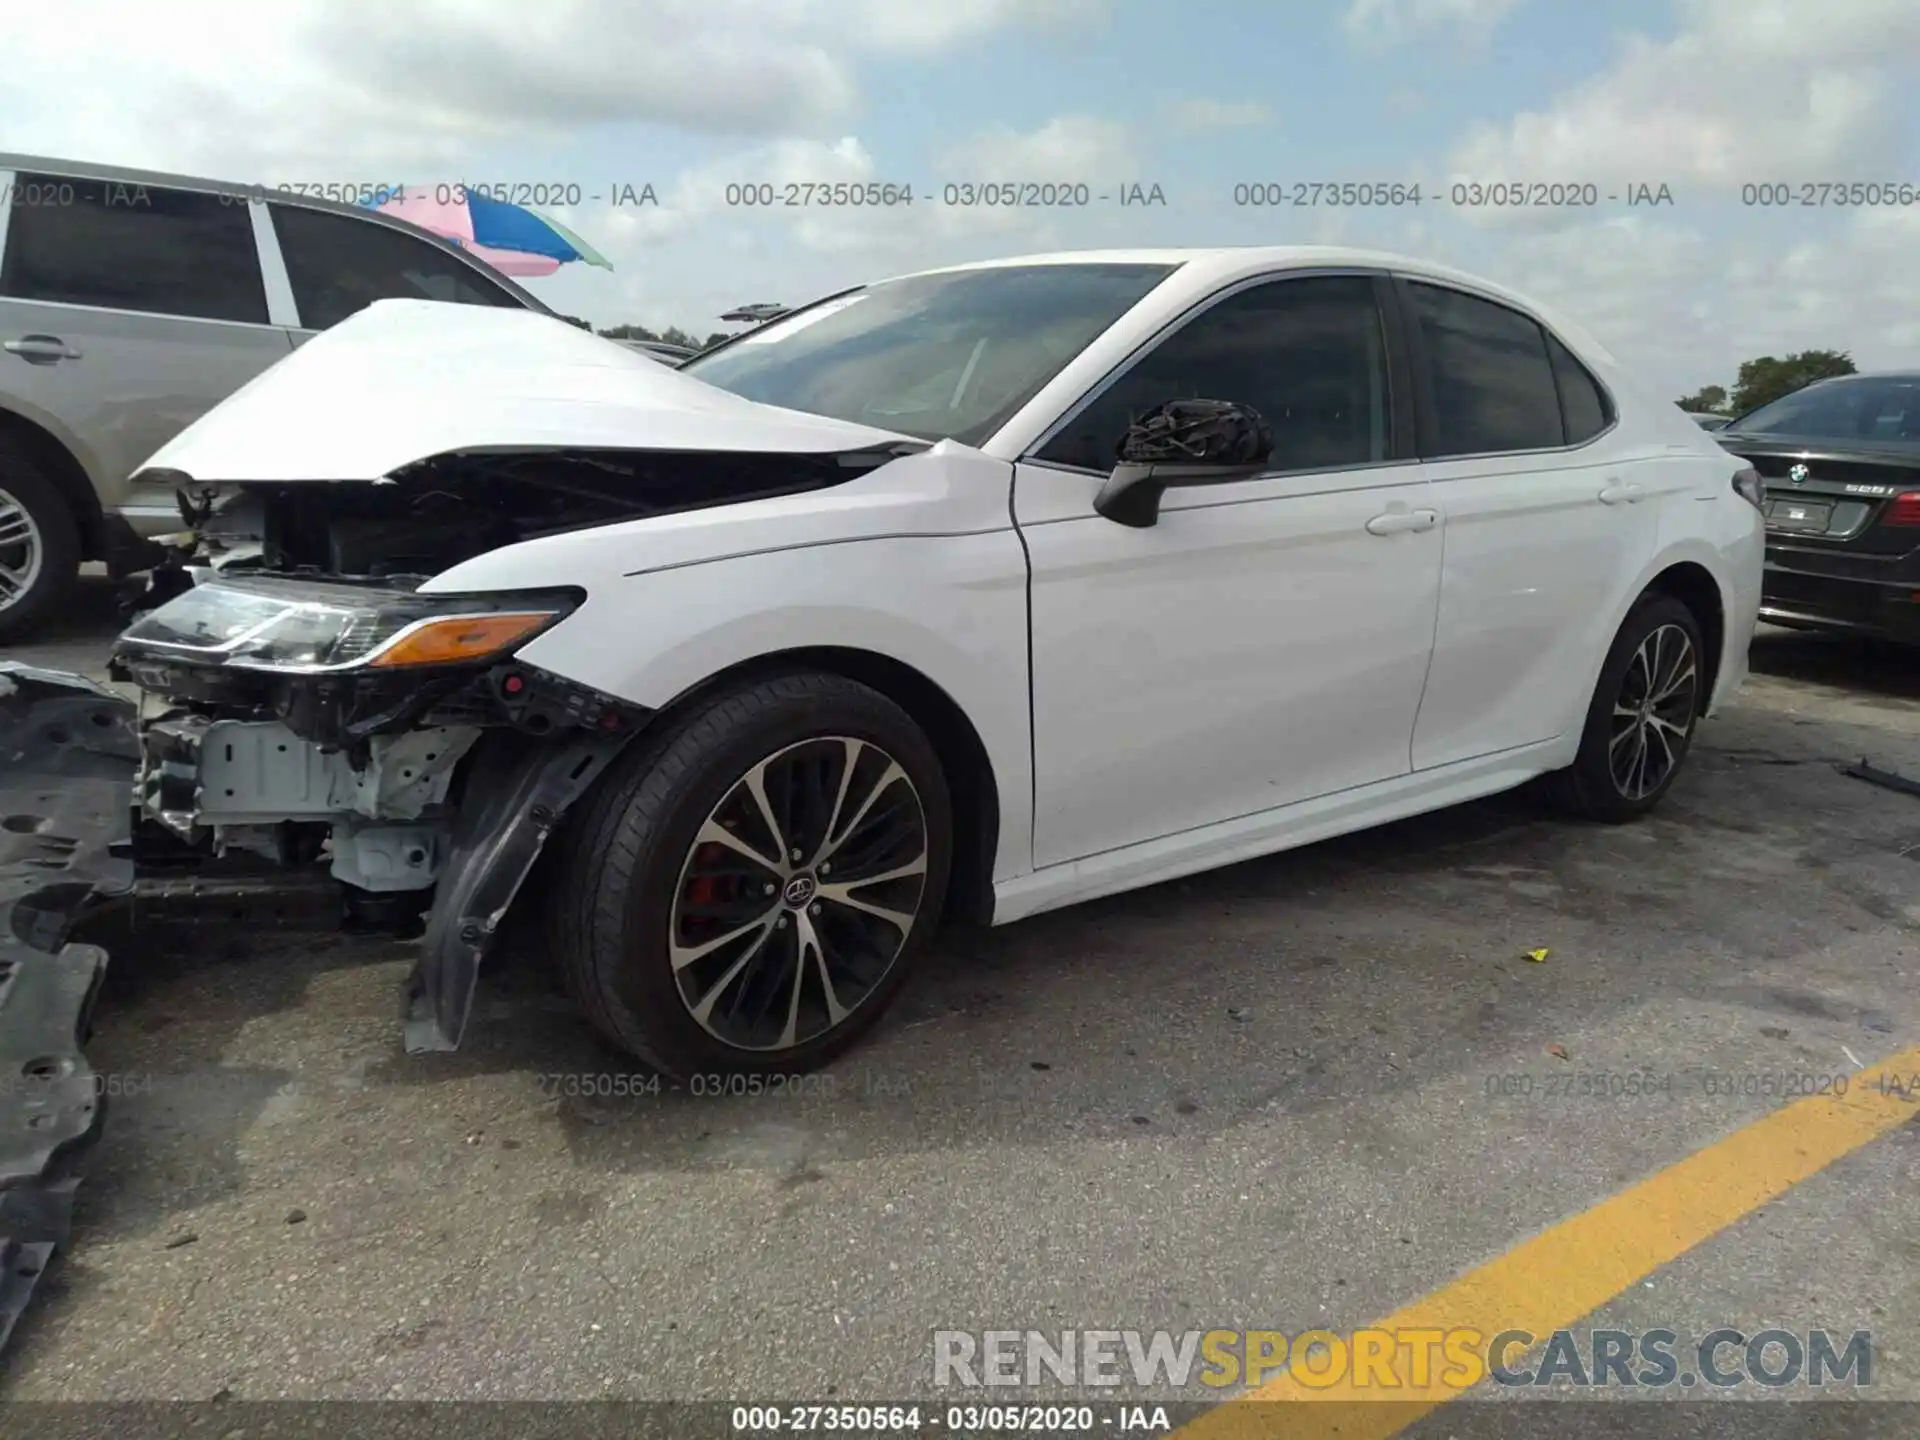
[432, 515]
[306, 710]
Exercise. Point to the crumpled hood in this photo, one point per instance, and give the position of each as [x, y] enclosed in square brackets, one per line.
[404, 380]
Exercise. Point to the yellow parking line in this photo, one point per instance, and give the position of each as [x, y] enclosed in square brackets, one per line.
[1548, 1282]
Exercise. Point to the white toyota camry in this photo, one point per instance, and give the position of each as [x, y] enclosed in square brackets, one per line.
[972, 593]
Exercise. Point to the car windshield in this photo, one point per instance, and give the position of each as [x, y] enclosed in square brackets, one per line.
[1871, 407]
[947, 356]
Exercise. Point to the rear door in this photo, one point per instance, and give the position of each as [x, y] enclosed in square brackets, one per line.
[126, 312]
[337, 264]
[1550, 517]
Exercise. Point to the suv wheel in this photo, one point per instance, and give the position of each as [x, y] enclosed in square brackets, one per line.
[1640, 725]
[748, 891]
[39, 543]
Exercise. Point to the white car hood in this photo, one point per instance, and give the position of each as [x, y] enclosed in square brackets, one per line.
[405, 380]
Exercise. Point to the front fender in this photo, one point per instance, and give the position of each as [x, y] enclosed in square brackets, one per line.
[951, 607]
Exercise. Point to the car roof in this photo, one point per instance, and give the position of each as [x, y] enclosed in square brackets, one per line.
[1870, 375]
[1204, 269]
[160, 179]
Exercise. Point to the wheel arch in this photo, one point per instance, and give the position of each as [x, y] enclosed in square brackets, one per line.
[66, 472]
[1696, 587]
[956, 740]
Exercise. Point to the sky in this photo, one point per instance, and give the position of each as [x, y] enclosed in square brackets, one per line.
[1703, 111]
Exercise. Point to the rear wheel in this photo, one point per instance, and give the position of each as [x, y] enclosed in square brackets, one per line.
[1640, 725]
[39, 544]
[748, 891]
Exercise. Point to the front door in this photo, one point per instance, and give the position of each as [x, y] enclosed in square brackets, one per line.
[1267, 641]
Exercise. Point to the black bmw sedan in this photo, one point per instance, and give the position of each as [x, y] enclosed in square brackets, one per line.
[1841, 462]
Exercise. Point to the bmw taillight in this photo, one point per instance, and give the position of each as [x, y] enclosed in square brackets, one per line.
[1903, 509]
[1751, 488]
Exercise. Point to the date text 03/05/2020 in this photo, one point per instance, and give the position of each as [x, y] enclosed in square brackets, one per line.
[911, 1419]
[1461, 195]
[1567, 1084]
[958, 194]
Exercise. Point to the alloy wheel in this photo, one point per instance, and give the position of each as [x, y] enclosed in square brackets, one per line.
[1654, 712]
[798, 893]
[21, 552]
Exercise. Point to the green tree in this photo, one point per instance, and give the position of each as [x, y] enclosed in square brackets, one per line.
[715, 338]
[1707, 400]
[674, 335]
[1768, 378]
[629, 332]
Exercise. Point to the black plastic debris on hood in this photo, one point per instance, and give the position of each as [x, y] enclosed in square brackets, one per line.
[68, 752]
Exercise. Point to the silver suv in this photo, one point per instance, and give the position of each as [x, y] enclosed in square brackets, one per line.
[132, 302]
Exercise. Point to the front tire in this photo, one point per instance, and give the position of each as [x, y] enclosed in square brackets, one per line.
[1640, 725]
[747, 891]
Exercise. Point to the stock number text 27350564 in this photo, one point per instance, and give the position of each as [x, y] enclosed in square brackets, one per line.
[1342, 194]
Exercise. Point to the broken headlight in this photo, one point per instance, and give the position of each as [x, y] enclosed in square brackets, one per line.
[310, 627]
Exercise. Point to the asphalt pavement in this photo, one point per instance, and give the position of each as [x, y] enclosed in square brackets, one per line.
[1297, 1093]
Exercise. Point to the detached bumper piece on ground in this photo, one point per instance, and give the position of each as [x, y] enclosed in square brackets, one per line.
[106, 817]
[67, 756]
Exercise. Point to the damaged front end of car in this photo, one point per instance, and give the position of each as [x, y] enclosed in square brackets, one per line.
[357, 729]
[325, 712]
[318, 734]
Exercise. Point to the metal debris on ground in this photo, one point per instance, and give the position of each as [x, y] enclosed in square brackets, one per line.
[1885, 779]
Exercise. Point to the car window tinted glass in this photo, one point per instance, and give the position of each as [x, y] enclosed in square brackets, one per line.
[1583, 403]
[338, 264]
[132, 247]
[948, 356]
[1872, 407]
[1308, 354]
[1493, 386]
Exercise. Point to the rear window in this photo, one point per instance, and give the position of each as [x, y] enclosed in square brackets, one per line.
[1494, 388]
[338, 264]
[121, 246]
[1582, 401]
[1883, 407]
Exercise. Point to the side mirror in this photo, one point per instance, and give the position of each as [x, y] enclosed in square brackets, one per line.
[1184, 442]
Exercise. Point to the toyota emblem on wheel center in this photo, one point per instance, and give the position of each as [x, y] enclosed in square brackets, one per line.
[799, 891]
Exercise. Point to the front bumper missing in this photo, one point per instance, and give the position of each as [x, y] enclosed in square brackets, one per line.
[68, 752]
[72, 782]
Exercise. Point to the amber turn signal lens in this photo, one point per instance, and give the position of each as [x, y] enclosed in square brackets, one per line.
[460, 637]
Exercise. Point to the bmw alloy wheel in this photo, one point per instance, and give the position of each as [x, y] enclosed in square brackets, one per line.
[21, 550]
[1654, 712]
[799, 891]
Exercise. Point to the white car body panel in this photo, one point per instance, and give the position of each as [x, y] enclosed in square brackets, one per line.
[404, 380]
[916, 561]
[1293, 670]
[1254, 672]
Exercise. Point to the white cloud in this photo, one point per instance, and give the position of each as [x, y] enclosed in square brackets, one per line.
[310, 88]
[1683, 305]
[1744, 91]
[665, 257]
[1203, 113]
[1067, 149]
[1391, 22]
